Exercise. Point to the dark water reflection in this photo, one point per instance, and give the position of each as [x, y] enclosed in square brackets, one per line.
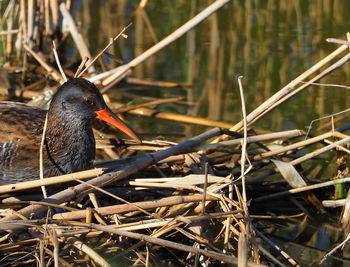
[268, 42]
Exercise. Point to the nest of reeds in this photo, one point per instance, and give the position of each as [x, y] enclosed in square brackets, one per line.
[205, 201]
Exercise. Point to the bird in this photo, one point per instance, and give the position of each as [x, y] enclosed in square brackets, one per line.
[69, 144]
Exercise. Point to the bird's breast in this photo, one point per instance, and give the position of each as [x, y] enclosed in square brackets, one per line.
[70, 151]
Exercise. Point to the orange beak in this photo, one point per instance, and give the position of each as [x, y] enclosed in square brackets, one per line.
[108, 116]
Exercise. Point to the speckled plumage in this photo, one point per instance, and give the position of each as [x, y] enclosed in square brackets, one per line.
[69, 144]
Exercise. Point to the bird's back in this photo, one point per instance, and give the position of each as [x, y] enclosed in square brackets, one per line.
[20, 135]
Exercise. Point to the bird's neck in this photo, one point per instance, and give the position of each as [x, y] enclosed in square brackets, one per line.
[70, 143]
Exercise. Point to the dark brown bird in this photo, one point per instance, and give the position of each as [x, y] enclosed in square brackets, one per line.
[69, 140]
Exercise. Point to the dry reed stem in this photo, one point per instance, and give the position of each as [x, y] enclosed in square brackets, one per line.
[178, 117]
[55, 247]
[155, 223]
[30, 24]
[338, 41]
[228, 220]
[23, 30]
[244, 143]
[340, 136]
[254, 139]
[51, 180]
[145, 225]
[41, 253]
[205, 182]
[294, 146]
[146, 205]
[337, 146]
[191, 179]
[242, 250]
[176, 186]
[117, 73]
[64, 77]
[41, 160]
[319, 151]
[243, 239]
[89, 251]
[333, 203]
[17, 245]
[168, 227]
[47, 17]
[41, 166]
[81, 66]
[94, 200]
[7, 32]
[138, 81]
[54, 12]
[345, 216]
[303, 189]
[9, 37]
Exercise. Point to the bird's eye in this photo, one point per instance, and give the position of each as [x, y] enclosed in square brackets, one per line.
[88, 101]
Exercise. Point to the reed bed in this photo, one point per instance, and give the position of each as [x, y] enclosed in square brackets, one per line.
[208, 200]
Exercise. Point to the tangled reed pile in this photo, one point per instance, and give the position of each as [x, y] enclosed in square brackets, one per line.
[208, 200]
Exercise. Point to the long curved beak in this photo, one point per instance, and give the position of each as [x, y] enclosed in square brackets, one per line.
[108, 116]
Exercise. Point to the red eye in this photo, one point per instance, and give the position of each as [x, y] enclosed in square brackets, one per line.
[88, 101]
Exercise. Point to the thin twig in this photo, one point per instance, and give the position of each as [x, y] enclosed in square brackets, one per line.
[205, 187]
[58, 62]
[41, 160]
[81, 66]
[244, 141]
[283, 253]
[324, 117]
[328, 85]
[103, 50]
